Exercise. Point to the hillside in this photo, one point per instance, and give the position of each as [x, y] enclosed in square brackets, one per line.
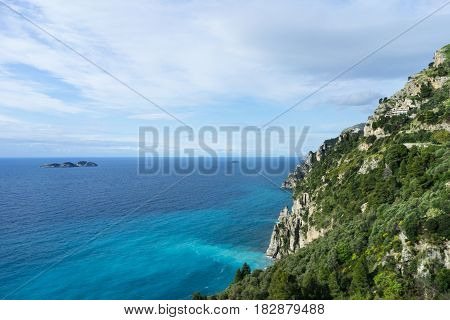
[370, 214]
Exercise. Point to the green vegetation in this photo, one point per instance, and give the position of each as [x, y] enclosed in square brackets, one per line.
[358, 257]
[395, 247]
[242, 273]
[426, 90]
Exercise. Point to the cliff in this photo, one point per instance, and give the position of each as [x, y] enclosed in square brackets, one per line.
[292, 230]
[370, 213]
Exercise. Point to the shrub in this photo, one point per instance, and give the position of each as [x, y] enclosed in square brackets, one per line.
[442, 279]
[282, 286]
[389, 287]
[441, 136]
[395, 154]
[242, 273]
[371, 139]
[425, 90]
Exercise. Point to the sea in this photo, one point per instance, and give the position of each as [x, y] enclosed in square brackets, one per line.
[116, 232]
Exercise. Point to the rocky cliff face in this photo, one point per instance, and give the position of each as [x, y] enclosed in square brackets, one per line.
[303, 168]
[405, 101]
[292, 232]
[293, 229]
[370, 214]
[299, 173]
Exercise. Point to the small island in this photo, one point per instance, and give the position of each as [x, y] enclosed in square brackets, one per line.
[79, 164]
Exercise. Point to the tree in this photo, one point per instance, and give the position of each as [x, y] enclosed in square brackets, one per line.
[371, 139]
[344, 251]
[333, 285]
[238, 276]
[441, 136]
[283, 286]
[311, 288]
[245, 270]
[198, 296]
[395, 154]
[411, 224]
[277, 287]
[425, 90]
[430, 117]
[359, 287]
[388, 285]
[442, 71]
[442, 279]
[242, 273]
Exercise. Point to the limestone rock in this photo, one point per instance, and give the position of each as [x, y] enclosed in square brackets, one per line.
[368, 165]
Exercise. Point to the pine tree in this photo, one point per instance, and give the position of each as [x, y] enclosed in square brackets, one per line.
[238, 276]
[245, 270]
[333, 285]
[359, 287]
[283, 286]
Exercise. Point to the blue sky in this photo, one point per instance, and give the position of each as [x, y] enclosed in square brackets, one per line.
[207, 62]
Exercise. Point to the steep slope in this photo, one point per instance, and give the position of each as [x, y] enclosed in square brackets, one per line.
[370, 214]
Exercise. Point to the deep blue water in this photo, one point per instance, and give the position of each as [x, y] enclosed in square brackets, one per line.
[109, 233]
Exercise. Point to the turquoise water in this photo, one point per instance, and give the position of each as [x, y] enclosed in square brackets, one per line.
[109, 233]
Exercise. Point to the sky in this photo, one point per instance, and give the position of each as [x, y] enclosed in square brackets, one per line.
[214, 63]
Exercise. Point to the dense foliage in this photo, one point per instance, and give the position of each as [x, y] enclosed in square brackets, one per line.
[388, 227]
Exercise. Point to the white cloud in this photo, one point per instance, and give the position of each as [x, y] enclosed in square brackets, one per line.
[150, 116]
[195, 56]
[191, 52]
[358, 98]
[29, 96]
[9, 120]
